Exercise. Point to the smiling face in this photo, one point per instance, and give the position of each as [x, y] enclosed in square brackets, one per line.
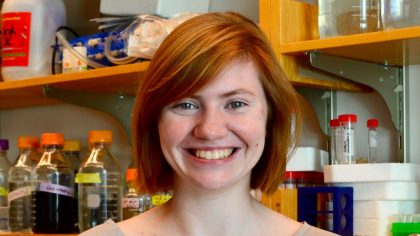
[213, 138]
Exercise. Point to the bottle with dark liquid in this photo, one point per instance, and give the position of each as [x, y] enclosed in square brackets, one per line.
[53, 198]
[20, 185]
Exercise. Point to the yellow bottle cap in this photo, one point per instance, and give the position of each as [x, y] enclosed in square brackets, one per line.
[71, 145]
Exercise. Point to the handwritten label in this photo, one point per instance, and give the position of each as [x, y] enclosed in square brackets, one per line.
[88, 178]
[57, 189]
[158, 200]
[20, 192]
[130, 203]
[3, 192]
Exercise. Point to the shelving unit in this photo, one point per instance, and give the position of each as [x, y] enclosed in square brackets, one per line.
[292, 28]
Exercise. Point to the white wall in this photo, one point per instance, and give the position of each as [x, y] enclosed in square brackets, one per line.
[73, 121]
[367, 106]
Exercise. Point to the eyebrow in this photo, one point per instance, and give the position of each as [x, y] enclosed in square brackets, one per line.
[230, 93]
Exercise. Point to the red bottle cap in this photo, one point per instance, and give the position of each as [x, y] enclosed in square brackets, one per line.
[372, 123]
[348, 118]
[334, 123]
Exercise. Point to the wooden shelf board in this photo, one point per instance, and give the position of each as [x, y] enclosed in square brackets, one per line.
[379, 47]
[122, 79]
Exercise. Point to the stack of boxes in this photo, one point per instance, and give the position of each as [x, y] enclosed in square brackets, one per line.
[381, 191]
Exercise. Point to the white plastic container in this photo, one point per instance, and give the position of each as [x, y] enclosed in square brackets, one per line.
[28, 33]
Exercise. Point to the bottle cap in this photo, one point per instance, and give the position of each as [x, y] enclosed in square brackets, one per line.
[131, 174]
[71, 145]
[52, 139]
[4, 144]
[100, 136]
[347, 118]
[334, 123]
[372, 123]
[28, 142]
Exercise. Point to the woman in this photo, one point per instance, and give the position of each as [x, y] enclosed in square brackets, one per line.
[213, 119]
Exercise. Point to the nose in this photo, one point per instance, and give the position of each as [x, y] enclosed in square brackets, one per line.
[211, 125]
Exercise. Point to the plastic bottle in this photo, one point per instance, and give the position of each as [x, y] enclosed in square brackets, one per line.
[348, 129]
[20, 185]
[100, 183]
[135, 201]
[334, 128]
[71, 150]
[372, 125]
[28, 33]
[4, 170]
[53, 195]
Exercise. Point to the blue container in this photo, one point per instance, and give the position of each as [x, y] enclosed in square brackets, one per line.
[329, 208]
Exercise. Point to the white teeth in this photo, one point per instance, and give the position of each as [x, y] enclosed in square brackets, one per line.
[214, 154]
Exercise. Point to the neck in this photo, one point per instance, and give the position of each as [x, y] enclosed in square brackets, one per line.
[197, 211]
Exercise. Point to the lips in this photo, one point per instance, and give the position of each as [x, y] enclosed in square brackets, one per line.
[218, 154]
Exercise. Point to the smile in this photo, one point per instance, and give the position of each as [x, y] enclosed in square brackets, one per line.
[214, 154]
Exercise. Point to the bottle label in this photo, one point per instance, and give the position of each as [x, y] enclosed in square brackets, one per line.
[88, 178]
[3, 192]
[20, 192]
[16, 37]
[57, 189]
[130, 203]
[158, 200]
[372, 139]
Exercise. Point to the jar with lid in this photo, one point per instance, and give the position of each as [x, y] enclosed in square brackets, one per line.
[53, 195]
[99, 183]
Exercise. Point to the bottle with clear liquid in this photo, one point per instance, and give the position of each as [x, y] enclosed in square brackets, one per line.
[20, 185]
[99, 182]
[372, 125]
[53, 184]
[347, 139]
[135, 201]
[4, 188]
[71, 150]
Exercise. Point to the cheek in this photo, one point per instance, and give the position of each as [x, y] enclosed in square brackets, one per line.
[171, 132]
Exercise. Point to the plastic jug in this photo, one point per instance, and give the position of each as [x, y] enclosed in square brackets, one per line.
[28, 33]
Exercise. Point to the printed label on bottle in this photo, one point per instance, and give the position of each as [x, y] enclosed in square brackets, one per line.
[158, 200]
[130, 203]
[3, 192]
[16, 37]
[20, 192]
[372, 139]
[88, 178]
[57, 189]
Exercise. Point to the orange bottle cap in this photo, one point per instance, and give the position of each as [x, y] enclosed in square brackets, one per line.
[28, 142]
[52, 139]
[103, 136]
[131, 174]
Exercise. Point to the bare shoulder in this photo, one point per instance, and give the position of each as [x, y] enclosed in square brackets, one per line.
[274, 223]
[146, 224]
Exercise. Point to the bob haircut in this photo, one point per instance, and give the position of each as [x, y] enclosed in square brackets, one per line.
[190, 57]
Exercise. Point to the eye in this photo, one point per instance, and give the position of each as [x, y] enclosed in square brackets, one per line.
[185, 107]
[236, 104]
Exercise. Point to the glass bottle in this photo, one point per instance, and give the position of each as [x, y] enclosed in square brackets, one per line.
[20, 185]
[71, 150]
[53, 184]
[4, 171]
[100, 183]
[372, 125]
[135, 201]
